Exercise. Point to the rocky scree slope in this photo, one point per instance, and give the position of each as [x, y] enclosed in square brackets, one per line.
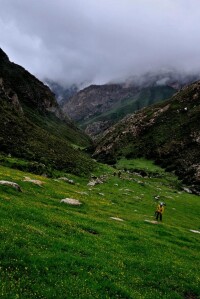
[168, 132]
[32, 125]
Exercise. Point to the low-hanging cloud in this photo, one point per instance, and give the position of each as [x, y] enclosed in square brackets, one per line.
[92, 41]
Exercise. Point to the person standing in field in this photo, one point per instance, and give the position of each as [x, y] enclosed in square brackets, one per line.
[159, 211]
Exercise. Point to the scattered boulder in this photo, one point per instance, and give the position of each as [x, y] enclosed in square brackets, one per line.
[103, 177]
[11, 184]
[91, 183]
[187, 190]
[71, 201]
[36, 182]
[116, 218]
[95, 182]
[67, 180]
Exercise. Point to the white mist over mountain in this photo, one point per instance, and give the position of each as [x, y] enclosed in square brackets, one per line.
[92, 41]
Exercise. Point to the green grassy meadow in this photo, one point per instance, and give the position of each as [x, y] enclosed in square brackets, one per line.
[50, 249]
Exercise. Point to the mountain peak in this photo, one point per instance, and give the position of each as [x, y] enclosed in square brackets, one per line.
[3, 55]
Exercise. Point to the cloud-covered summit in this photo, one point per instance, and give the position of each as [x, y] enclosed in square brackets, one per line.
[94, 41]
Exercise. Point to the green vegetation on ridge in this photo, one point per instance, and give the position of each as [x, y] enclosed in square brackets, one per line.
[59, 128]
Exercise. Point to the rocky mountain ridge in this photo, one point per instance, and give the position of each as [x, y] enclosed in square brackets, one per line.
[97, 107]
[82, 105]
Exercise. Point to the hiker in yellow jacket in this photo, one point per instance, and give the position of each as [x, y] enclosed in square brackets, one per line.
[160, 211]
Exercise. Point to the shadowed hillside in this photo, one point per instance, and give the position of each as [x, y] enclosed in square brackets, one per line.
[32, 125]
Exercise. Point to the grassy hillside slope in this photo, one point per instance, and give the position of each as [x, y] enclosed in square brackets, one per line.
[29, 140]
[53, 250]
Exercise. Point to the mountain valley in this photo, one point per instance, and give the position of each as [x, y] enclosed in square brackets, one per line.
[77, 215]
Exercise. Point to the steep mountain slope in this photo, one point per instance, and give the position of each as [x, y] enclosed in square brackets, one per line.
[32, 125]
[97, 107]
[167, 132]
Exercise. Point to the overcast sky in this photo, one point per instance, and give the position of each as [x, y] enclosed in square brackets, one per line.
[97, 41]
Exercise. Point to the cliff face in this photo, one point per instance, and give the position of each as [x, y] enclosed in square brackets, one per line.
[9, 96]
[168, 132]
[28, 88]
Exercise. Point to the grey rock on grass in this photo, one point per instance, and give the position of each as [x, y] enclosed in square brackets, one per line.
[71, 201]
[11, 184]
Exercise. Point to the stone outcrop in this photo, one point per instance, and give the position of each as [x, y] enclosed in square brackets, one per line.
[25, 86]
